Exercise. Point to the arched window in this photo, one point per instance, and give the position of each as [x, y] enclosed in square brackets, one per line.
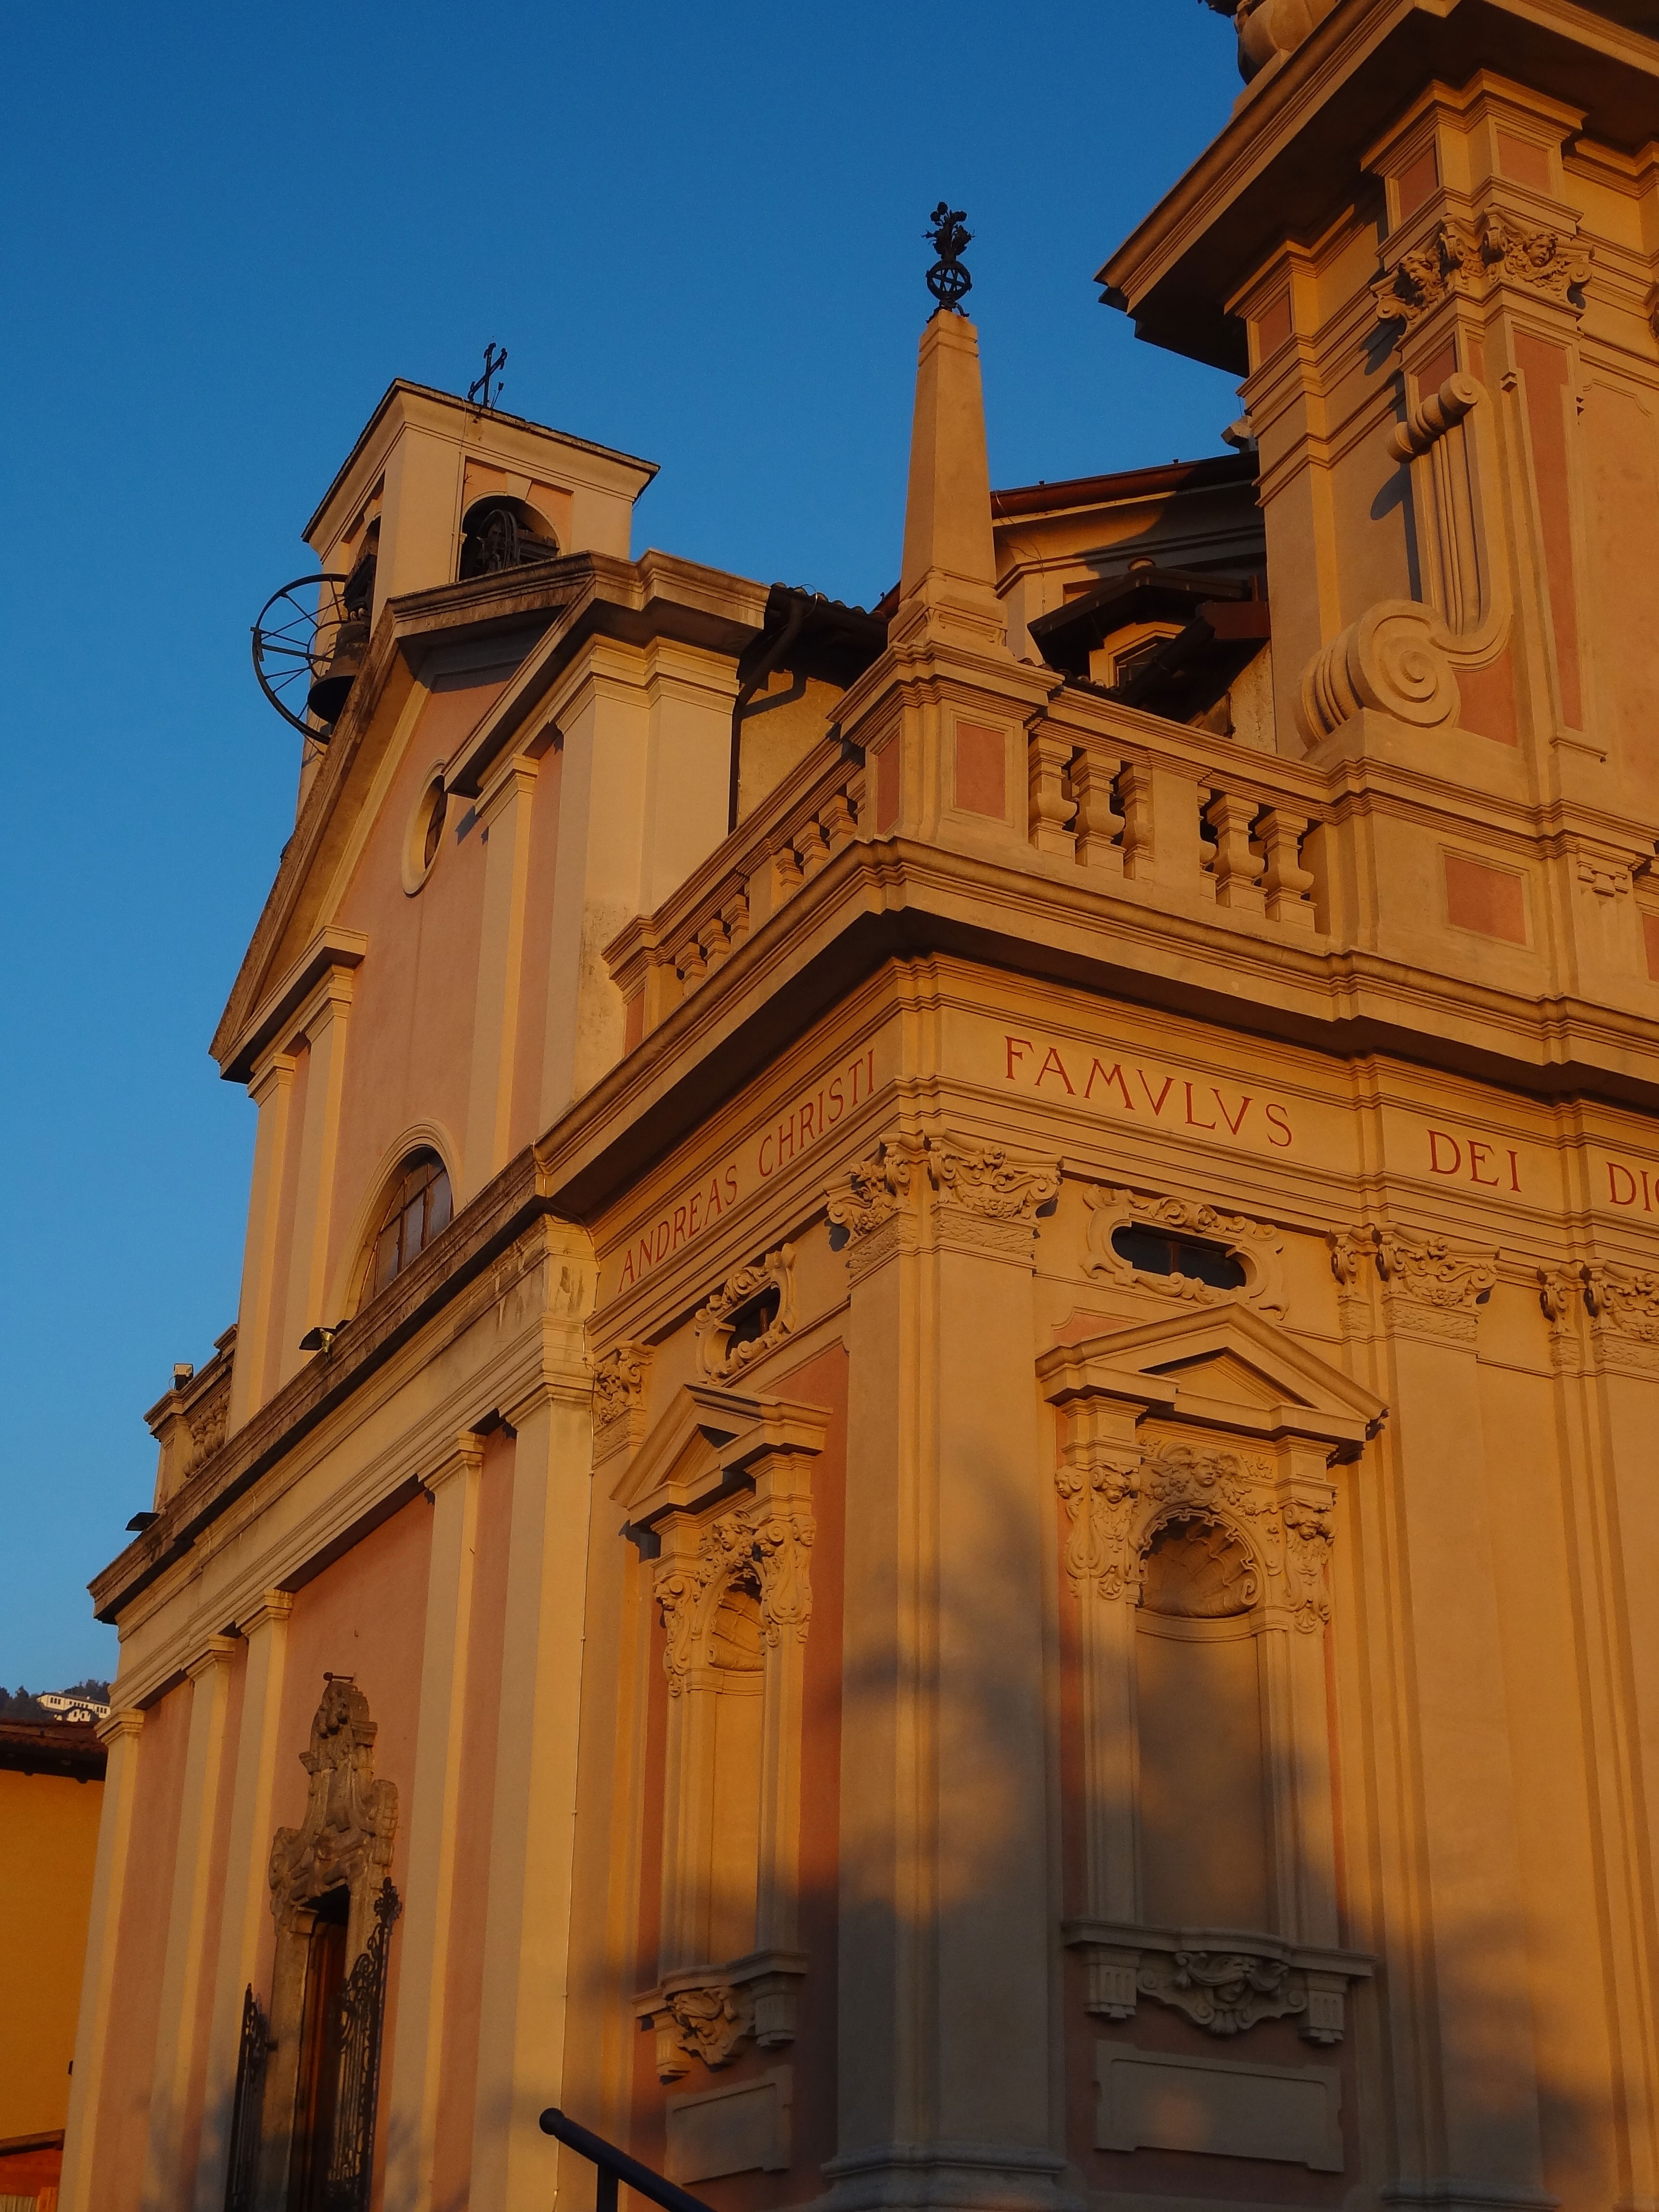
[418, 1208]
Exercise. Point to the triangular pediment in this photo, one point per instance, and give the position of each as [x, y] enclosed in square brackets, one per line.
[680, 1461]
[704, 1445]
[1225, 1374]
[405, 702]
[1224, 1366]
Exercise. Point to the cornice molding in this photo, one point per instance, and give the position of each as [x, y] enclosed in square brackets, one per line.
[332, 955]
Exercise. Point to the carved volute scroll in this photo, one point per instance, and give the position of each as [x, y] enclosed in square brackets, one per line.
[1468, 258]
[1622, 1306]
[1401, 657]
[758, 1545]
[872, 1209]
[873, 1191]
[619, 1381]
[351, 1817]
[987, 1181]
[1432, 1286]
[749, 1315]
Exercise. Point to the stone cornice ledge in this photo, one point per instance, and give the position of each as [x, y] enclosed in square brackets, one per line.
[1341, 77]
[331, 947]
[495, 1220]
[891, 898]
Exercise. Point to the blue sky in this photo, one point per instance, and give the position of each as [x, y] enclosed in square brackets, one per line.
[697, 230]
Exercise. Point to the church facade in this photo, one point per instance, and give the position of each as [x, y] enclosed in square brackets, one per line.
[937, 1480]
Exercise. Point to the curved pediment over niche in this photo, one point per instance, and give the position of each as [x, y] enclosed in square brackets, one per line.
[1223, 1367]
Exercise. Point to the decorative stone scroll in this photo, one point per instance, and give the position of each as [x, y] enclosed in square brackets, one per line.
[1224, 1985]
[1432, 1286]
[1468, 258]
[1394, 660]
[710, 2013]
[1624, 1300]
[1116, 1500]
[1622, 1304]
[987, 1181]
[350, 1816]
[1223, 1991]
[762, 1548]
[986, 1199]
[1400, 657]
[706, 2020]
[619, 1379]
[874, 1191]
[722, 1352]
[1256, 1246]
[1350, 1250]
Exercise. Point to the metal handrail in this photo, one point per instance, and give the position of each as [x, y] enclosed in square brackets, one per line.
[615, 2165]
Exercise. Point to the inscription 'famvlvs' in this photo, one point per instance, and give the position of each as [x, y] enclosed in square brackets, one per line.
[1127, 1087]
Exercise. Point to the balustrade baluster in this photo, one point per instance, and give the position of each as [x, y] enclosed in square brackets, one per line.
[1051, 811]
[1100, 827]
[1236, 865]
[1289, 885]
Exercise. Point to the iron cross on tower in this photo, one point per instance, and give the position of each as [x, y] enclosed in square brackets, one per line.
[493, 364]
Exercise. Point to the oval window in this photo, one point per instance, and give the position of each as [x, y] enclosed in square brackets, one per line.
[1155, 1252]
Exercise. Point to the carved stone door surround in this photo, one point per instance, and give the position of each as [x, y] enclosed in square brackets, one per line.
[723, 1482]
[1219, 1415]
[344, 1841]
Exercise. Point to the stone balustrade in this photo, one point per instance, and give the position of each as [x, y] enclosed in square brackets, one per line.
[659, 960]
[1212, 826]
[1203, 818]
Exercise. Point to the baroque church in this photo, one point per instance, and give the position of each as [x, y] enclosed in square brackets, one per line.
[937, 1482]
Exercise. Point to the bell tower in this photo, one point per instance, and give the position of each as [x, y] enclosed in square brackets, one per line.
[438, 489]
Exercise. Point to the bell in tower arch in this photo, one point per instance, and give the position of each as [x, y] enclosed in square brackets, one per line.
[501, 533]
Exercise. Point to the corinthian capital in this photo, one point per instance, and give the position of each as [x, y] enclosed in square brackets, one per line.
[1434, 1272]
[984, 1180]
[873, 1190]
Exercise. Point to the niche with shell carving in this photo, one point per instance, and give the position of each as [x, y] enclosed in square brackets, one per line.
[723, 1487]
[1194, 1477]
[1198, 1695]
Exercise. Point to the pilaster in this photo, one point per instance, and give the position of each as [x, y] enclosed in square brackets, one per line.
[246, 1911]
[504, 808]
[418, 2058]
[96, 2023]
[532, 1830]
[259, 1313]
[1467, 2063]
[186, 1965]
[947, 1858]
[323, 1025]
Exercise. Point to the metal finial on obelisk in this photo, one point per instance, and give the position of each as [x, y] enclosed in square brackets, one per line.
[947, 280]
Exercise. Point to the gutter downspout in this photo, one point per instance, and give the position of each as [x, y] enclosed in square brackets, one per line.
[770, 660]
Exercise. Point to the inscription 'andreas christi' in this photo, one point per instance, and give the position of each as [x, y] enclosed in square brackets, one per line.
[1124, 1086]
[812, 1114]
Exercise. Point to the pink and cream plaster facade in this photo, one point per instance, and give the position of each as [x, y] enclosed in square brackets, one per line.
[937, 1485]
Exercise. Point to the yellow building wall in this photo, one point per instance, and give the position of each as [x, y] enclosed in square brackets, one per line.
[48, 1840]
